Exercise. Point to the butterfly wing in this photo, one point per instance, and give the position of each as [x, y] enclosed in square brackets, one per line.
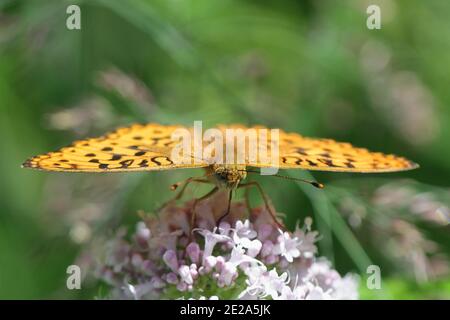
[134, 148]
[149, 147]
[298, 152]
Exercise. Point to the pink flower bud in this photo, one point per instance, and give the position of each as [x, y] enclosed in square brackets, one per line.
[185, 274]
[172, 278]
[271, 259]
[264, 231]
[182, 286]
[220, 261]
[209, 263]
[157, 282]
[136, 260]
[143, 235]
[201, 271]
[224, 228]
[194, 274]
[193, 251]
[267, 248]
[170, 258]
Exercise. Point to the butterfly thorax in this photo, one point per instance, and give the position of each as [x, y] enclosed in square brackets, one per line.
[227, 176]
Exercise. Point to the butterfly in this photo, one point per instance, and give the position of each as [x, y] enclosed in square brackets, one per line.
[148, 147]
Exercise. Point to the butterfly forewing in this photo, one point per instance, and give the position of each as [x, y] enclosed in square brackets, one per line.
[134, 148]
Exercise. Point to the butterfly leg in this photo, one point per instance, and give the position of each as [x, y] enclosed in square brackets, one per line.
[230, 196]
[196, 201]
[265, 199]
[183, 188]
[247, 201]
[186, 183]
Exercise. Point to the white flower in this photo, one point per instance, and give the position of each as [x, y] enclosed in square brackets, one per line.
[253, 246]
[238, 257]
[255, 288]
[317, 293]
[224, 228]
[211, 239]
[298, 293]
[131, 291]
[257, 263]
[202, 298]
[287, 246]
[346, 288]
[306, 239]
[262, 283]
[228, 274]
[274, 283]
[136, 292]
[321, 273]
[245, 230]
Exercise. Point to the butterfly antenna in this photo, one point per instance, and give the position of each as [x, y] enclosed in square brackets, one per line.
[313, 183]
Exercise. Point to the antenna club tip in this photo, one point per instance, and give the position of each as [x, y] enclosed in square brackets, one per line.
[318, 185]
[174, 187]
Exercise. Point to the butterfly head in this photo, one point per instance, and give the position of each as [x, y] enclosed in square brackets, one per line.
[228, 176]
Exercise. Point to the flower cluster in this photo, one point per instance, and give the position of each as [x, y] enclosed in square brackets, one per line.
[246, 257]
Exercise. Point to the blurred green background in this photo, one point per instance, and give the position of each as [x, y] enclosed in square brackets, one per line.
[311, 67]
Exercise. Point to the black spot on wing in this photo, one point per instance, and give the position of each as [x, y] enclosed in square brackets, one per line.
[297, 161]
[116, 157]
[140, 153]
[328, 162]
[349, 165]
[126, 163]
[302, 151]
[143, 163]
[157, 160]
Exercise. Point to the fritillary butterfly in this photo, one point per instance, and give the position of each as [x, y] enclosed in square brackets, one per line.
[148, 147]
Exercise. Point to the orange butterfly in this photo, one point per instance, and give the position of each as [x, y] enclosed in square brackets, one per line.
[149, 147]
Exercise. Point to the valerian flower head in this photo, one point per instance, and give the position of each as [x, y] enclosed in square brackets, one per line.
[245, 257]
